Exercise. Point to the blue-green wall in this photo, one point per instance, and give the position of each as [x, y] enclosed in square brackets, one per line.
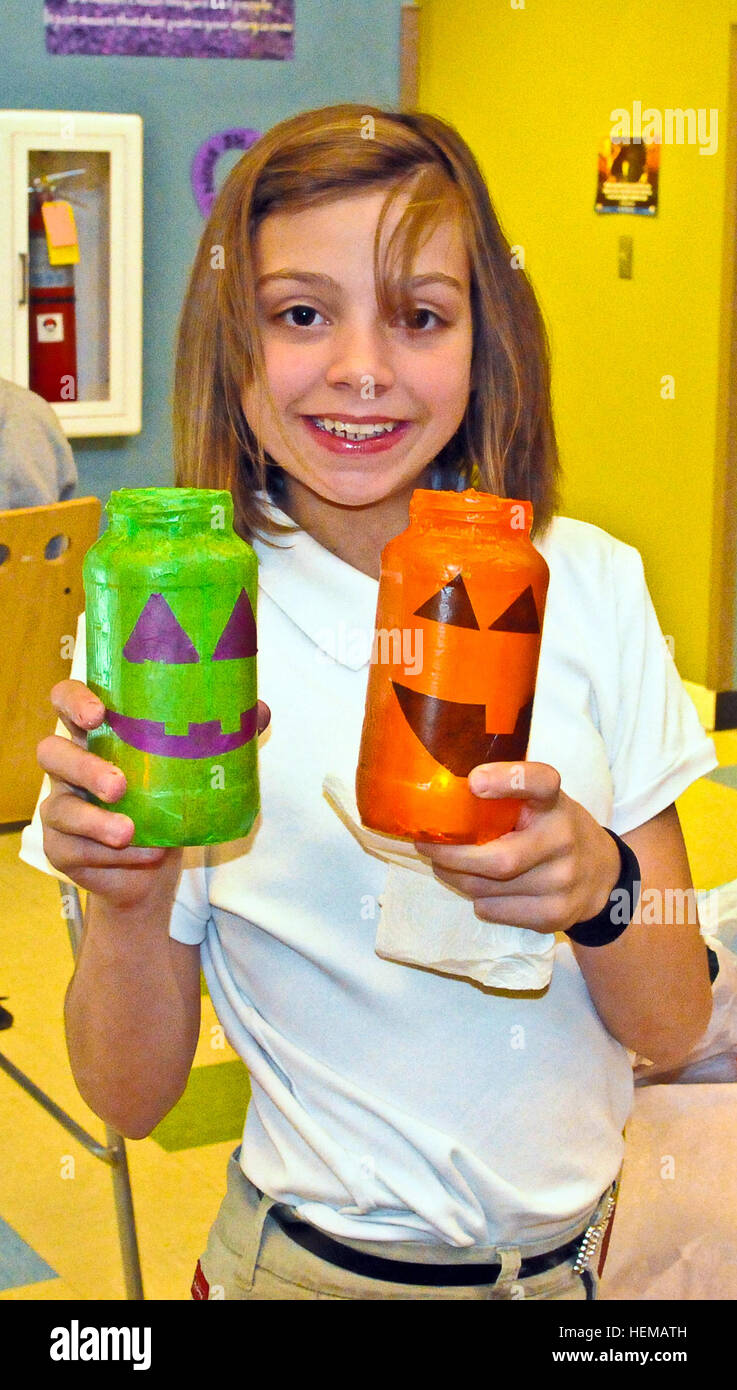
[345, 50]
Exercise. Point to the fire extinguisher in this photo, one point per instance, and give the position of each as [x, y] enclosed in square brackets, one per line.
[52, 328]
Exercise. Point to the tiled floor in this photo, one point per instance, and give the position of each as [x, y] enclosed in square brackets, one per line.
[58, 1236]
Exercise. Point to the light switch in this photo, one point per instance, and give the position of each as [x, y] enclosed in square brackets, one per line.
[625, 258]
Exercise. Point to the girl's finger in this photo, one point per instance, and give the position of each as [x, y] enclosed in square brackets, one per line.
[72, 854]
[67, 814]
[66, 762]
[77, 707]
[538, 882]
[538, 782]
[544, 916]
[509, 856]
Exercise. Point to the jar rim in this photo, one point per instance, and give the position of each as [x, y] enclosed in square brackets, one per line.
[151, 502]
[471, 505]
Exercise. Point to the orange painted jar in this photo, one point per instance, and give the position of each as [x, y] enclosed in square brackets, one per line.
[452, 680]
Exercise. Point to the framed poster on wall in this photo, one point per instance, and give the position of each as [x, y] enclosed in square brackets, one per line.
[627, 177]
[175, 29]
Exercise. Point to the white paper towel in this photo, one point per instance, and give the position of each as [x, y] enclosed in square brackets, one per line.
[425, 922]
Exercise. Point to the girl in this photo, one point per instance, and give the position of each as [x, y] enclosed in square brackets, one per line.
[355, 328]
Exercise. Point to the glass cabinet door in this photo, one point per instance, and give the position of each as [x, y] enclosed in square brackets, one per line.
[69, 302]
[75, 265]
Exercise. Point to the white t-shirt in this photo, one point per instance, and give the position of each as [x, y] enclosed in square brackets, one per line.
[391, 1102]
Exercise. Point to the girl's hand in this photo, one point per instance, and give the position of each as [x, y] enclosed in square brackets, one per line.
[557, 867]
[85, 842]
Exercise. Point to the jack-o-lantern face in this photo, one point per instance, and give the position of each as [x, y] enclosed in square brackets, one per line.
[452, 681]
[171, 653]
[455, 732]
[177, 666]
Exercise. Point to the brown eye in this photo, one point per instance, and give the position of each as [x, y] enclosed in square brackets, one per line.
[304, 315]
[419, 320]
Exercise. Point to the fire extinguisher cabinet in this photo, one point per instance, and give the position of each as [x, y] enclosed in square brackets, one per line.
[71, 234]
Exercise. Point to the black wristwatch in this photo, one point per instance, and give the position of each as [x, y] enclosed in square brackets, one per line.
[618, 912]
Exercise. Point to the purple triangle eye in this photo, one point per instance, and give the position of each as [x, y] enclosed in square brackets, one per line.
[238, 638]
[158, 636]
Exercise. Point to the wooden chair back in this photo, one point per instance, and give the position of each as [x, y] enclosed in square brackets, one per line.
[41, 597]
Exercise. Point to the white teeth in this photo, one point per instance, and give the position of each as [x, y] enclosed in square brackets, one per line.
[351, 430]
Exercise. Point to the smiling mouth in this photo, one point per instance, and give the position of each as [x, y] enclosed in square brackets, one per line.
[205, 740]
[355, 431]
[454, 734]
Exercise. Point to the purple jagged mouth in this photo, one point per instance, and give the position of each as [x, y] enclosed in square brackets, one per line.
[202, 741]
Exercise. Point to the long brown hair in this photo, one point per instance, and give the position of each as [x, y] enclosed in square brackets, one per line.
[506, 442]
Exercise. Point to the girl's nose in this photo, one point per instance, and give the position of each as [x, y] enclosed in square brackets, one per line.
[361, 359]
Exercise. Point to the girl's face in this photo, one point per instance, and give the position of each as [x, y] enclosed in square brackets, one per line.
[367, 403]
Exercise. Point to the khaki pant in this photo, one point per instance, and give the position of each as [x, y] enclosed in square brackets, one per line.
[248, 1256]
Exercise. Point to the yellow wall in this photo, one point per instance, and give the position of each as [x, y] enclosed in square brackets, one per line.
[532, 90]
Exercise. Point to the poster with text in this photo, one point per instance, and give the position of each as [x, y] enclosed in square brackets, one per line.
[171, 28]
[628, 177]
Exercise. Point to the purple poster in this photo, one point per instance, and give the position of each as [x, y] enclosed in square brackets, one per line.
[172, 28]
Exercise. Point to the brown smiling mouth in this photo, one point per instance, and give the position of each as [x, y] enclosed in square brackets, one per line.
[454, 734]
[205, 740]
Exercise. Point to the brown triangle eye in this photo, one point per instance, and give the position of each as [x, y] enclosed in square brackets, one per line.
[238, 638]
[520, 616]
[159, 636]
[451, 605]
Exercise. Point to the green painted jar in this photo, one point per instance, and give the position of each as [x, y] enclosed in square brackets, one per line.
[171, 651]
